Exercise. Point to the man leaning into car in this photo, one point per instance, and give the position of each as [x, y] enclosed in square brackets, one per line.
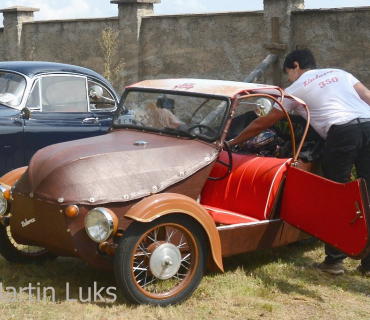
[340, 113]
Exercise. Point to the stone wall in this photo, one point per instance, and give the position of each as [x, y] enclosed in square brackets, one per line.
[68, 41]
[2, 43]
[216, 46]
[219, 46]
[338, 38]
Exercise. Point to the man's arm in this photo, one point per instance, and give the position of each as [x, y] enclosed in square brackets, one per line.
[363, 92]
[257, 126]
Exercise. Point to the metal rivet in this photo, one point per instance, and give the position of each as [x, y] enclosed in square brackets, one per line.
[154, 189]
[207, 158]
[92, 200]
[60, 200]
[141, 143]
[126, 197]
[182, 174]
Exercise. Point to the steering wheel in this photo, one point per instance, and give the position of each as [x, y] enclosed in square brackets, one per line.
[200, 126]
[227, 165]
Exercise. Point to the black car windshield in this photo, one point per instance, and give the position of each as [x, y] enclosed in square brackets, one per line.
[175, 114]
[12, 88]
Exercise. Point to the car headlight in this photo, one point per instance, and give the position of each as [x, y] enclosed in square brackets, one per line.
[3, 201]
[101, 224]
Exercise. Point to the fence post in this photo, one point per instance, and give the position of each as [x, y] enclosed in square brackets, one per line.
[130, 13]
[277, 16]
[14, 17]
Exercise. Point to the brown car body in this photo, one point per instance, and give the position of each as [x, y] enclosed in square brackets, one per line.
[145, 174]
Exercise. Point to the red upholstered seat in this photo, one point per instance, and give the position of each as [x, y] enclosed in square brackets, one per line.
[249, 190]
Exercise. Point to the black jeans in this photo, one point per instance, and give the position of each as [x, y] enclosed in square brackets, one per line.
[345, 146]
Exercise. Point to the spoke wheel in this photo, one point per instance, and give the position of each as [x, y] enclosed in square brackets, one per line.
[19, 253]
[161, 262]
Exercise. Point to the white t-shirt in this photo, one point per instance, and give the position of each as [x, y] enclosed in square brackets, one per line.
[330, 98]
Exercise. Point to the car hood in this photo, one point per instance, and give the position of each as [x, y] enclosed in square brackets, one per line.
[112, 167]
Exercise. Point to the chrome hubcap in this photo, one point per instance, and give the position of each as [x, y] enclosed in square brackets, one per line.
[165, 261]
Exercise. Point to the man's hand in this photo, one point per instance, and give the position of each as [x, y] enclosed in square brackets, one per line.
[257, 126]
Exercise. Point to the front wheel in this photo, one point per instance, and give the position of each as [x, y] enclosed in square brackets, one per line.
[161, 262]
[19, 253]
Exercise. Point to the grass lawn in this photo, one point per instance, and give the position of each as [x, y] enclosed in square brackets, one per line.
[272, 284]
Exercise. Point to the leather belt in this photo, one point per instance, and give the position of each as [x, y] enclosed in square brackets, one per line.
[352, 122]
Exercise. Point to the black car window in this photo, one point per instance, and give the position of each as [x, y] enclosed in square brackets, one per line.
[100, 98]
[64, 94]
[12, 88]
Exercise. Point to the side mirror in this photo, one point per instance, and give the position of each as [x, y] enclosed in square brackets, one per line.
[96, 92]
[263, 108]
[26, 113]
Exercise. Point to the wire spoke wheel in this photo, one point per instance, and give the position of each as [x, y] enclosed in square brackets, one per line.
[163, 262]
[21, 247]
[20, 253]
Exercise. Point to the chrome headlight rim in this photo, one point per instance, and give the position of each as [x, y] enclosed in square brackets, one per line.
[3, 201]
[107, 217]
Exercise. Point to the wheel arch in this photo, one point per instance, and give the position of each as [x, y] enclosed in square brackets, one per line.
[11, 177]
[158, 205]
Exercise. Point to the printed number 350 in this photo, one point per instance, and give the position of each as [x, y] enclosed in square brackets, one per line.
[322, 84]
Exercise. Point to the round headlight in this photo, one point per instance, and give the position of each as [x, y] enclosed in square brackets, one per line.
[101, 224]
[3, 201]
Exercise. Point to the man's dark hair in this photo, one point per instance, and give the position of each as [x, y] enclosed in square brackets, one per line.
[304, 57]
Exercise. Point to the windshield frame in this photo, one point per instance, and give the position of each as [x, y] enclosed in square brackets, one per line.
[121, 106]
[21, 98]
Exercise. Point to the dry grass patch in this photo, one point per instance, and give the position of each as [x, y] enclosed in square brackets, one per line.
[273, 284]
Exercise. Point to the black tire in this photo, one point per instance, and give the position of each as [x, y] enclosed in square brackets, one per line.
[149, 266]
[19, 253]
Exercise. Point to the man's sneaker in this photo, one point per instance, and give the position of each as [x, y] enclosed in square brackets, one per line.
[336, 268]
[363, 271]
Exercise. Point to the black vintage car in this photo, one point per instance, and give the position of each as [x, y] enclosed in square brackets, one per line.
[42, 103]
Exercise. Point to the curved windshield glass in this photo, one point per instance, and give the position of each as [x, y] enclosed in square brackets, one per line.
[182, 115]
[12, 88]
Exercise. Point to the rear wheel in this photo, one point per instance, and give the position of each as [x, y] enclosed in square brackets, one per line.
[19, 253]
[161, 262]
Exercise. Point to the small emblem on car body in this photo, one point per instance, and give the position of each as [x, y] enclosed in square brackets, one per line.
[186, 86]
[26, 222]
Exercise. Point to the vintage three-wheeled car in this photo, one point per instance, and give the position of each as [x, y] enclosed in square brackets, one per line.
[158, 201]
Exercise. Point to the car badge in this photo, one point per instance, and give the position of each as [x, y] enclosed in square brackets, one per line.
[186, 86]
[26, 222]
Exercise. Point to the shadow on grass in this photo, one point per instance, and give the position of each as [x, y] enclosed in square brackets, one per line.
[290, 270]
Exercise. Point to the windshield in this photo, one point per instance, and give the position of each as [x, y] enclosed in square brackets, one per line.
[12, 87]
[178, 114]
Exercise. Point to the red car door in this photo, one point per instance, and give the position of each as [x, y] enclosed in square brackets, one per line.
[336, 213]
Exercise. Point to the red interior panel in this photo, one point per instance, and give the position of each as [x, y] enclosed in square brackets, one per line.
[325, 209]
[250, 189]
[228, 217]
